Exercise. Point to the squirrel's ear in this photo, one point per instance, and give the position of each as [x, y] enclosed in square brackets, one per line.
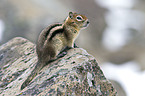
[71, 15]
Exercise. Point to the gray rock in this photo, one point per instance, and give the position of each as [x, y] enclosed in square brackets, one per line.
[75, 74]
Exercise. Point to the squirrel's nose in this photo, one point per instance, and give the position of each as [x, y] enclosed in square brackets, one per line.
[88, 22]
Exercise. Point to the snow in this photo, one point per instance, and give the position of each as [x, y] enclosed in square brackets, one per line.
[128, 75]
[114, 39]
[1, 29]
[116, 3]
[120, 18]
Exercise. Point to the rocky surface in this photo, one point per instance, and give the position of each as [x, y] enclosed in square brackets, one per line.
[75, 74]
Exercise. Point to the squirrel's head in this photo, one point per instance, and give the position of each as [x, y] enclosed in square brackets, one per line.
[77, 20]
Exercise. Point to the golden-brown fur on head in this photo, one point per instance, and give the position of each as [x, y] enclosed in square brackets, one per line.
[77, 20]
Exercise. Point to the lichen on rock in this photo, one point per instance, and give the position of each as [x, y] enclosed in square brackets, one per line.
[75, 74]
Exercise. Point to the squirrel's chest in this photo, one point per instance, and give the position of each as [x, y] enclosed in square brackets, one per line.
[71, 34]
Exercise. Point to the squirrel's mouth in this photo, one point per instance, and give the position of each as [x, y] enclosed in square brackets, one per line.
[86, 24]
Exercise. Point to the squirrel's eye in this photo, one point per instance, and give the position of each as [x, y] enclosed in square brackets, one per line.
[79, 18]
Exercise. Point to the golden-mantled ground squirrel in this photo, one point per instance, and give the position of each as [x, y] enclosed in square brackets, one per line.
[54, 38]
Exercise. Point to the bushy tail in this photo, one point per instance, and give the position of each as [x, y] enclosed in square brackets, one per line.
[35, 71]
